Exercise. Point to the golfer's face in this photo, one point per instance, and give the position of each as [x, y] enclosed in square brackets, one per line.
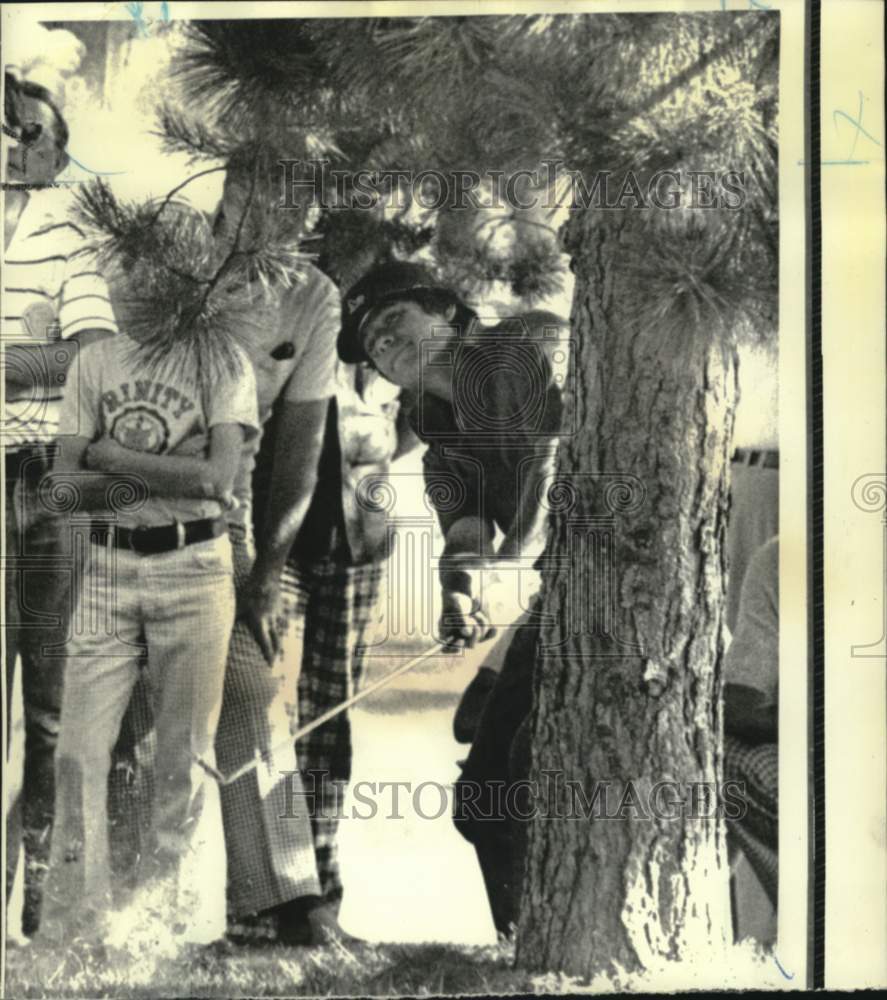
[392, 337]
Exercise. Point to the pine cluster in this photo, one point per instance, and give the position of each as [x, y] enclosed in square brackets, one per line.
[625, 94]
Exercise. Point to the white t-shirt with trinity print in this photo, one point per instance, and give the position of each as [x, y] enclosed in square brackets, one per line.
[159, 412]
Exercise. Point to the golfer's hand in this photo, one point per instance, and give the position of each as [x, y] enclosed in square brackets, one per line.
[258, 605]
[463, 621]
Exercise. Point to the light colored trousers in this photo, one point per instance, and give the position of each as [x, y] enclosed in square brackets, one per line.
[179, 607]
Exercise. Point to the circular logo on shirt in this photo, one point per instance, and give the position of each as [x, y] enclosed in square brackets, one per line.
[141, 429]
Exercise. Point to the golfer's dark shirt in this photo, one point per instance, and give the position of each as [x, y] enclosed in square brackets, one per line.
[507, 406]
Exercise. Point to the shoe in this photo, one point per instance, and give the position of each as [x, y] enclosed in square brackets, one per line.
[471, 705]
[325, 926]
[309, 923]
[207, 955]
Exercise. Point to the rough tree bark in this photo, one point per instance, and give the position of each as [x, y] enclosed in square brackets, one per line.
[628, 696]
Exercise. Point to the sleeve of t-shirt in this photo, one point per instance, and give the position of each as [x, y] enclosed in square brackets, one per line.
[79, 414]
[753, 656]
[235, 400]
[316, 321]
[84, 302]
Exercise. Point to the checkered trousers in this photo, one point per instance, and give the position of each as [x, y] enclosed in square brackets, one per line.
[757, 833]
[275, 853]
[339, 609]
[267, 830]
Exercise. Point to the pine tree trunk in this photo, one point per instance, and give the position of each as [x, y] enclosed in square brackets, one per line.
[627, 690]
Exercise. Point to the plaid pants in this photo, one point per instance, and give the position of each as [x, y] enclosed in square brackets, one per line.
[757, 833]
[267, 831]
[338, 610]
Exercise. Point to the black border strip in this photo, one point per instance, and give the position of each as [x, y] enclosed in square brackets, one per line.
[815, 623]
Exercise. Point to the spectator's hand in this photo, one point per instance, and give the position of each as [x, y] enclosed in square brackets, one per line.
[259, 606]
[41, 322]
[228, 500]
[105, 455]
[463, 620]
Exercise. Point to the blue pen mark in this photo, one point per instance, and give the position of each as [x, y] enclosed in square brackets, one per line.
[859, 130]
[98, 173]
[752, 5]
[135, 9]
[856, 123]
[779, 966]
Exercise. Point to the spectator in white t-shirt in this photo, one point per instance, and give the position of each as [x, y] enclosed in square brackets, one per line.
[159, 585]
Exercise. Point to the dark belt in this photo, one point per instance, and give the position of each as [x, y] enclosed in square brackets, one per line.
[36, 457]
[163, 538]
[764, 458]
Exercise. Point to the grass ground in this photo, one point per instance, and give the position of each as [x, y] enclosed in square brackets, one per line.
[272, 970]
[410, 880]
[364, 970]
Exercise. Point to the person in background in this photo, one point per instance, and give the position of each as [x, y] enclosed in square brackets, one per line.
[337, 584]
[488, 403]
[289, 335]
[160, 570]
[751, 754]
[753, 519]
[754, 471]
[292, 344]
[54, 304]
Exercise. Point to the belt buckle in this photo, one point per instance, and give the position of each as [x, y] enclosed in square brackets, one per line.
[180, 534]
[133, 534]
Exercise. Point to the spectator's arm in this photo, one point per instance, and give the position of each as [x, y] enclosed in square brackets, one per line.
[93, 489]
[299, 439]
[300, 432]
[210, 477]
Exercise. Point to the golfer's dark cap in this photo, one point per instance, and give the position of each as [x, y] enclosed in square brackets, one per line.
[384, 283]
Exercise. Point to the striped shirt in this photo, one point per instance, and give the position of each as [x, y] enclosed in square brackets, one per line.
[50, 293]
